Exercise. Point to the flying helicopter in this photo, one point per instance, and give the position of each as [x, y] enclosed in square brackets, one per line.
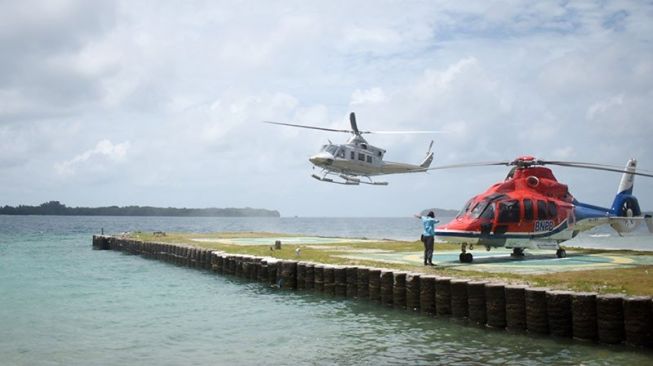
[357, 159]
[530, 209]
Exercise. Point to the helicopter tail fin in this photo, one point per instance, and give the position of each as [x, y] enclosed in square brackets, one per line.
[625, 204]
[429, 157]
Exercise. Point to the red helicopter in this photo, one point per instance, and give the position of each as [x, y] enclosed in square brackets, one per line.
[530, 209]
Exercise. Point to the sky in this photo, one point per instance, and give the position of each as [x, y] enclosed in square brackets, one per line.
[161, 102]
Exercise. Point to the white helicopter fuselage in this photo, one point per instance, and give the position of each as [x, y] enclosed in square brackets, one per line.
[358, 158]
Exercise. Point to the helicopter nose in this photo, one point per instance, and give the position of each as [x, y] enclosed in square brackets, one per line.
[321, 159]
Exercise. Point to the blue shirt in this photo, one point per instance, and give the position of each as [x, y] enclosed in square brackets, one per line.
[429, 224]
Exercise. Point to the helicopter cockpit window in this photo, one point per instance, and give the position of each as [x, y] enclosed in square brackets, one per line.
[488, 213]
[480, 207]
[509, 211]
[341, 153]
[331, 149]
[462, 212]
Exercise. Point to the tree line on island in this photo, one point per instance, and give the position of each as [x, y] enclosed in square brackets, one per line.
[57, 208]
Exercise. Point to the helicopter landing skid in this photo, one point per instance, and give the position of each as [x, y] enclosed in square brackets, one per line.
[347, 180]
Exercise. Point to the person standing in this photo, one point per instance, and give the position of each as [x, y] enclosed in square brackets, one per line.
[428, 222]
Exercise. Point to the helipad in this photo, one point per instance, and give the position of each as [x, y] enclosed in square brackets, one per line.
[534, 262]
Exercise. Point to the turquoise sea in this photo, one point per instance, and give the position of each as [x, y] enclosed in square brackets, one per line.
[61, 303]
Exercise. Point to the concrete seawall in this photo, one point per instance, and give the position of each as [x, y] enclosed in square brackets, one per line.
[605, 319]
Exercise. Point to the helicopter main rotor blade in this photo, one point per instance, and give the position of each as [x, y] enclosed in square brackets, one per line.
[594, 167]
[400, 132]
[309, 127]
[354, 126]
[470, 165]
[585, 164]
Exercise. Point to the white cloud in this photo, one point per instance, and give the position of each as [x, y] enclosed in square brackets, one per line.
[368, 96]
[601, 107]
[104, 152]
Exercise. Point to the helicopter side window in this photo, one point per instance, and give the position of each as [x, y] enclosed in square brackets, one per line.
[509, 211]
[352, 155]
[528, 209]
[341, 153]
[478, 209]
[542, 213]
[364, 146]
[368, 158]
[552, 210]
[361, 157]
[488, 213]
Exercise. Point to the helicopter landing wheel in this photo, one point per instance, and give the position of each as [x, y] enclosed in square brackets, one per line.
[517, 252]
[466, 257]
[561, 253]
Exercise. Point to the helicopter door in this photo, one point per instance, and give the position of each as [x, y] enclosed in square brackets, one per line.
[508, 214]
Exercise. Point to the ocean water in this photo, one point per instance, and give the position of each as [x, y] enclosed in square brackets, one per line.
[62, 303]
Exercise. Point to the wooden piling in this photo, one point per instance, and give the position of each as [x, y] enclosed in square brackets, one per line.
[319, 278]
[100, 242]
[536, 317]
[459, 307]
[638, 321]
[329, 281]
[262, 274]
[443, 296]
[273, 265]
[495, 305]
[515, 307]
[559, 313]
[289, 274]
[427, 295]
[374, 277]
[301, 275]
[476, 302]
[387, 283]
[340, 278]
[610, 318]
[412, 291]
[352, 282]
[363, 277]
[399, 290]
[309, 277]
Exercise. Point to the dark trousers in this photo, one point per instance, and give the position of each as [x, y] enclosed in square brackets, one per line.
[428, 249]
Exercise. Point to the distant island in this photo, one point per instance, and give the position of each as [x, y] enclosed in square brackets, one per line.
[57, 208]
